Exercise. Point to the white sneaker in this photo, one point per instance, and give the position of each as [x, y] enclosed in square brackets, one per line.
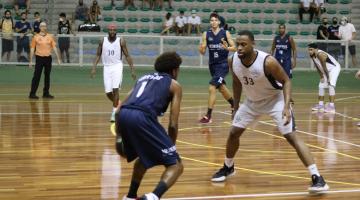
[127, 198]
[112, 118]
[149, 196]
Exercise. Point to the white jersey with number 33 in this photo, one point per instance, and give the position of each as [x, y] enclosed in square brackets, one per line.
[256, 85]
[111, 52]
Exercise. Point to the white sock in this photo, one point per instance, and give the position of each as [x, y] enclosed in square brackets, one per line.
[313, 170]
[114, 108]
[321, 103]
[229, 162]
[153, 195]
[331, 104]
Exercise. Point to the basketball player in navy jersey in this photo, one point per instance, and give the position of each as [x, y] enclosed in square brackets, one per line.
[143, 137]
[267, 89]
[110, 50]
[285, 51]
[219, 43]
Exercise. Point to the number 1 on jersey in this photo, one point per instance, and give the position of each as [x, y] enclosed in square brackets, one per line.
[141, 89]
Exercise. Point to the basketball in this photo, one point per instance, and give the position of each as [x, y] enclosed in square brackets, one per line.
[120, 147]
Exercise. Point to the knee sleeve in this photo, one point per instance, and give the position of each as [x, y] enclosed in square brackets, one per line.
[331, 91]
[321, 91]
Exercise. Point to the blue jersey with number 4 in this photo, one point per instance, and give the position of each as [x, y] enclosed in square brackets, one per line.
[217, 54]
[151, 93]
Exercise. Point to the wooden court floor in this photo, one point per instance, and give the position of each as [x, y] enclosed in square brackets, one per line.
[63, 149]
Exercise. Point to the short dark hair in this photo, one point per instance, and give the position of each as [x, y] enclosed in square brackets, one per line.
[62, 14]
[23, 13]
[167, 61]
[282, 24]
[313, 45]
[214, 15]
[36, 13]
[7, 11]
[248, 33]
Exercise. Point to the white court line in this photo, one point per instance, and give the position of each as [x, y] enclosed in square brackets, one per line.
[307, 133]
[263, 195]
[341, 99]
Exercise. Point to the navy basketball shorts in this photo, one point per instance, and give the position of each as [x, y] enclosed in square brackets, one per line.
[218, 73]
[144, 137]
[286, 65]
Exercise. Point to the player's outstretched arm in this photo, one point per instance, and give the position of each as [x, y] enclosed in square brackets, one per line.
[274, 69]
[176, 91]
[202, 47]
[294, 52]
[97, 59]
[128, 58]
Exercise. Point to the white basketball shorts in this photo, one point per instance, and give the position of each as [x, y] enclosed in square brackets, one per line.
[113, 75]
[333, 75]
[250, 111]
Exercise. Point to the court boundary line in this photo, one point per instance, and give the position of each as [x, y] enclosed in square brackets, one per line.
[256, 195]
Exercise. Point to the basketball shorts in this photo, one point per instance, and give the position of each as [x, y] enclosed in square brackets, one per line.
[333, 75]
[286, 65]
[144, 137]
[113, 75]
[218, 73]
[250, 111]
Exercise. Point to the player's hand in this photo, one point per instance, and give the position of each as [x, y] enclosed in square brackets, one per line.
[357, 75]
[202, 49]
[59, 61]
[286, 116]
[293, 64]
[92, 73]
[322, 80]
[224, 44]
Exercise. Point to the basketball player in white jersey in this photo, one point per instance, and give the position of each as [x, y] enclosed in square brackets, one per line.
[268, 89]
[111, 49]
[329, 70]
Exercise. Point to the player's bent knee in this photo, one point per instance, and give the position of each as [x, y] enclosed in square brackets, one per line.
[236, 132]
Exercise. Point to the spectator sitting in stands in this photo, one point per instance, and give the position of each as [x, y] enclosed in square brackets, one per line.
[194, 22]
[7, 29]
[129, 3]
[168, 24]
[36, 23]
[322, 34]
[94, 12]
[319, 8]
[23, 27]
[347, 32]
[160, 3]
[21, 3]
[334, 49]
[306, 6]
[180, 23]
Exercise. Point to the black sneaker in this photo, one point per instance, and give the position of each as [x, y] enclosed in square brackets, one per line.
[318, 184]
[48, 96]
[221, 175]
[33, 96]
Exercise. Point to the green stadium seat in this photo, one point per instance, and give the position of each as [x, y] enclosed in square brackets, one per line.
[284, 1]
[9, 7]
[281, 21]
[231, 21]
[108, 19]
[305, 22]
[244, 21]
[177, 0]
[169, 9]
[205, 20]
[268, 21]
[145, 9]
[256, 11]
[132, 30]
[344, 12]
[292, 33]
[224, 1]
[182, 9]
[281, 11]
[345, 1]
[189, 1]
[244, 10]
[332, 2]
[120, 30]
[157, 20]
[157, 9]
[157, 30]
[206, 10]
[119, 8]
[120, 19]
[314, 33]
[295, 1]
[255, 21]
[144, 30]
[231, 10]
[145, 19]
[331, 12]
[107, 8]
[293, 21]
[237, 1]
[305, 33]
[268, 11]
[273, 1]
[260, 1]
[294, 11]
[249, 1]
[220, 10]
[201, 1]
[132, 19]
[132, 8]
[267, 32]
[256, 32]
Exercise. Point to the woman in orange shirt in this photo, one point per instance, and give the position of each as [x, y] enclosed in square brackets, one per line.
[43, 42]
